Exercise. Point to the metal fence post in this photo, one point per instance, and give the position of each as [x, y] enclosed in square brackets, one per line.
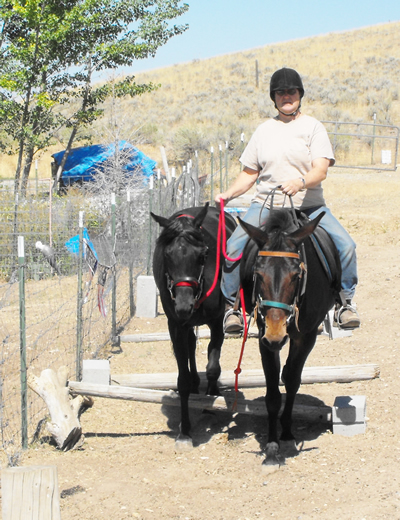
[114, 271]
[241, 148]
[79, 320]
[212, 175]
[221, 188]
[373, 139]
[131, 299]
[151, 180]
[22, 335]
[226, 165]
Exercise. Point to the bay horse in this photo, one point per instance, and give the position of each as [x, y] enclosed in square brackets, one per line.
[283, 278]
[184, 268]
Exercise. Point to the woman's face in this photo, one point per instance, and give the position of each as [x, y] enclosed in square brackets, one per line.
[288, 100]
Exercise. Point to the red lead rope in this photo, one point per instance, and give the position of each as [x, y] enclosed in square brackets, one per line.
[222, 236]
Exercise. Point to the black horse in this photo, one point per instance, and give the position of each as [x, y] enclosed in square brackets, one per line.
[283, 277]
[184, 267]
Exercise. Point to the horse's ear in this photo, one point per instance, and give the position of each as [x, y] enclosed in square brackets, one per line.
[164, 222]
[259, 236]
[198, 221]
[305, 231]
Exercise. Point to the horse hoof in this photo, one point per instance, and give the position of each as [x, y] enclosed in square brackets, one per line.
[273, 461]
[289, 448]
[183, 443]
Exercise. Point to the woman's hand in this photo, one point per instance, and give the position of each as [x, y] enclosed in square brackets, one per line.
[293, 186]
[221, 196]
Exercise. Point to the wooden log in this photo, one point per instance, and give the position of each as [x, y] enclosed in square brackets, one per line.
[64, 412]
[30, 493]
[164, 336]
[204, 402]
[253, 378]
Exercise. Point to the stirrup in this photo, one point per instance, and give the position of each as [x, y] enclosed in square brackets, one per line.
[341, 310]
[231, 312]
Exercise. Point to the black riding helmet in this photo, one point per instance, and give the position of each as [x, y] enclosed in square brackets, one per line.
[283, 79]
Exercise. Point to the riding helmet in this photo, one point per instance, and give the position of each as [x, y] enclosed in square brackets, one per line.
[283, 79]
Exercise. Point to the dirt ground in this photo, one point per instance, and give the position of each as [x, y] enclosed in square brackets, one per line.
[128, 467]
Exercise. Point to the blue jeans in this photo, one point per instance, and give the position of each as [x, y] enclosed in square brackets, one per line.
[343, 241]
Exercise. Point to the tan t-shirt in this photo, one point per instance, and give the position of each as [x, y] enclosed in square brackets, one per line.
[282, 151]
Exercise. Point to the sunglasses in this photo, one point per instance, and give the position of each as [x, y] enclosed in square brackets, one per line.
[289, 91]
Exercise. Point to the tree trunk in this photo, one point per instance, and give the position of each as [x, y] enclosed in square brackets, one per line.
[26, 170]
[64, 412]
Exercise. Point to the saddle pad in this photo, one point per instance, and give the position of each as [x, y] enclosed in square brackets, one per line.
[328, 256]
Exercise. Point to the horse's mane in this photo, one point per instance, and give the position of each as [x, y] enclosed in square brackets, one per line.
[279, 223]
[179, 228]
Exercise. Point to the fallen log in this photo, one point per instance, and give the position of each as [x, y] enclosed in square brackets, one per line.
[204, 402]
[253, 378]
[164, 336]
[64, 412]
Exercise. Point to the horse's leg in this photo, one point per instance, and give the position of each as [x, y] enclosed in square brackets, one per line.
[213, 369]
[300, 348]
[273, 399]
[179, 338]
[194, 376]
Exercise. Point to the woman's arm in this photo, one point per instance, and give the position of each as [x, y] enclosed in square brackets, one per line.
[315, 176]
[243, 182]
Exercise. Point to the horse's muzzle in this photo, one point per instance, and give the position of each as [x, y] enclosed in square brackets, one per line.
[276, 334]
[184, 304]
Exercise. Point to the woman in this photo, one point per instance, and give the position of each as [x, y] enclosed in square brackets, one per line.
[293, 151]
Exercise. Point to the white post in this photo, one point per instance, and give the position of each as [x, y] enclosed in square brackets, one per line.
[30, 493]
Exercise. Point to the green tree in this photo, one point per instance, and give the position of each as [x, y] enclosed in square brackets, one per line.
[50, 51]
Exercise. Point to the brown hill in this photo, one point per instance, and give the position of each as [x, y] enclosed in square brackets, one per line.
[348, 76]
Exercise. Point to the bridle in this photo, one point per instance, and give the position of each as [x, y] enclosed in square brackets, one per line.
[292, 310]
[188, 281]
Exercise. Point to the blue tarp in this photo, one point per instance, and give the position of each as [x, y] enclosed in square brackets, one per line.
[83, 163]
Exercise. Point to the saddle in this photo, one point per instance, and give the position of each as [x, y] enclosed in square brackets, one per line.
[326, 252]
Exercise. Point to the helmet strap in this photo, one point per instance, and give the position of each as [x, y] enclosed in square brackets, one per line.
[292, 114]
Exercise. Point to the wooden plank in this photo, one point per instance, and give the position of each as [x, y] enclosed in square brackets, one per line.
[204, 402]
[30, 493]
[253, 378]
[164, 336]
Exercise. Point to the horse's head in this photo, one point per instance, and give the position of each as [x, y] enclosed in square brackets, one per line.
[278, 270]
[185, 254]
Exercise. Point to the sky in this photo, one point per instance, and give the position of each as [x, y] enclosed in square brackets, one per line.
[218, 27]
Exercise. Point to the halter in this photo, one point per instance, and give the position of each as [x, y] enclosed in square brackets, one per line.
[188, 281]
[291, 309]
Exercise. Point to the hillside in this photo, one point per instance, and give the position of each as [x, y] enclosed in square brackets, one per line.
[348, 76]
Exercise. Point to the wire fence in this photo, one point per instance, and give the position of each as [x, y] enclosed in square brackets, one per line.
[71, 313]
[50, 294]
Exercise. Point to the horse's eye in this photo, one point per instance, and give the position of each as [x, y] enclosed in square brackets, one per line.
[294, 277]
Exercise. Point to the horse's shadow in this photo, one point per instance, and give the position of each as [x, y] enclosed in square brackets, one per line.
[236, 426]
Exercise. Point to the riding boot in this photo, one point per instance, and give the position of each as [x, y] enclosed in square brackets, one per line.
[233, 322]
[347, 316]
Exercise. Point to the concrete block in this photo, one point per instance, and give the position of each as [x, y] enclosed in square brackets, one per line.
[96, 371]
[349, 415]
[146, 297]
[349, 430]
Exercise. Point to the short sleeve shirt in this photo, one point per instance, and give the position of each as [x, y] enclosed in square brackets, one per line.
[283, 151]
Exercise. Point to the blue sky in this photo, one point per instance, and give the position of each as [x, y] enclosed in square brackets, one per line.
[223, 26]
